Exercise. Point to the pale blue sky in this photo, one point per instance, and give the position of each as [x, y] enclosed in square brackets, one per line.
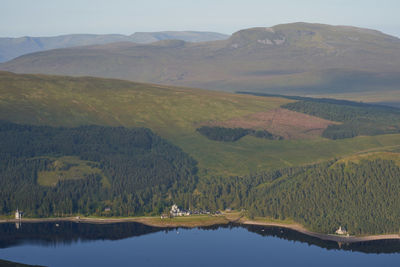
[56, 17]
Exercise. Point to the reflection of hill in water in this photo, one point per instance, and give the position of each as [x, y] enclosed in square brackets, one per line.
[48, 234]
[378, 246]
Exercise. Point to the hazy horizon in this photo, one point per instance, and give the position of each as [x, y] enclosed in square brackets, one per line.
[190, 30]
[47, 18]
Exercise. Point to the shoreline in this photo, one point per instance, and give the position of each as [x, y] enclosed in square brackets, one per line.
[150, 221]
[210, 221]
[326, 237]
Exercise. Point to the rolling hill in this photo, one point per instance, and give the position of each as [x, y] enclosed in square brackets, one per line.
[14, 47]
[296, 59]
[175, 113]
[146, 152]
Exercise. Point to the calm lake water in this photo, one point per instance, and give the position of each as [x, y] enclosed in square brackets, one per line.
[134, 244]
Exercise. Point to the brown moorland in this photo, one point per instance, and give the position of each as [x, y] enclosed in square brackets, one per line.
[279, 121]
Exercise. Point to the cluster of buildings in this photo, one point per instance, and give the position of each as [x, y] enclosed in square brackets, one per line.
[175, 212]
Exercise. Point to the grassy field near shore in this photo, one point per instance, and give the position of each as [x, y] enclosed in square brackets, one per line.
[156, 221]
[185, 221]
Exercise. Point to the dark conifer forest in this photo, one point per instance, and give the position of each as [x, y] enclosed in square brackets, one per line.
[356, 118]
[136, 172]
[224, 134]
[140, 168]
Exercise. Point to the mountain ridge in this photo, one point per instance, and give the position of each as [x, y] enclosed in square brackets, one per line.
[297, 59]
[14, 47]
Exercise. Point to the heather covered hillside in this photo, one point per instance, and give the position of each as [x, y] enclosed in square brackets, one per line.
[275, 131]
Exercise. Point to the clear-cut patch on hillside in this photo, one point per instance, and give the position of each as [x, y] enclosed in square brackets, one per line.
[286, 123]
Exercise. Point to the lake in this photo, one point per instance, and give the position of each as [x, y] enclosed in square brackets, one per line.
[135, 244]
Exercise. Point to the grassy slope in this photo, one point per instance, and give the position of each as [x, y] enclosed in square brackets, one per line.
[370, 156]
[170, 112]
[79, 169]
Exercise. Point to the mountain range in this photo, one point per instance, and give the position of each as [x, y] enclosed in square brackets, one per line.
[14, 47]
[296, 58]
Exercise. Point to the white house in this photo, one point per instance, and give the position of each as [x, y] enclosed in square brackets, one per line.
[18, 215]
[341, 231]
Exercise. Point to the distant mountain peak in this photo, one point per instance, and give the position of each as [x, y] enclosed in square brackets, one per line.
[302, 34]
[261, 36]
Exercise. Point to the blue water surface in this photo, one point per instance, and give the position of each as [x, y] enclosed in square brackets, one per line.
[224, 246]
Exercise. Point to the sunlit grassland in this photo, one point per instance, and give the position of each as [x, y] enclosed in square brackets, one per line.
[171, 112]
[69, 168]
[370, 156]
[189, 220]
[251, 154]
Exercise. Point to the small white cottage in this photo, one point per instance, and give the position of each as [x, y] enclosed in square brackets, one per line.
[18, 215]
[341, 231]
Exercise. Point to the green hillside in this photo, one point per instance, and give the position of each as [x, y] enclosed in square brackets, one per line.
[69, 168]
[201, 151]
[359, 193]
[131, 172]
[48, 171]
[296, 59]
[175, 114]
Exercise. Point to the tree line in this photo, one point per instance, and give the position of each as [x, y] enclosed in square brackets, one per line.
[144, 170]
[225, 134]
[357, 118]
[362, 197]
[147, 174]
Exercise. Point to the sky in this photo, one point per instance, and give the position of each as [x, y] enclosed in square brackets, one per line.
[57, 17]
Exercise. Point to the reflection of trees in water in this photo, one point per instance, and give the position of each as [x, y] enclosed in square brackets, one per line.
[377, 246]
[49, 234]
[69, 232]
